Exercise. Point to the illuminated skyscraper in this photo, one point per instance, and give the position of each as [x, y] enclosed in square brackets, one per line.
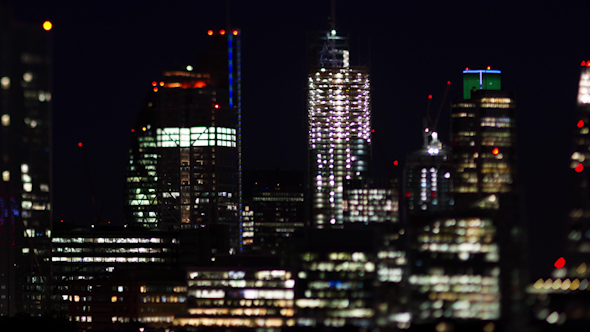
[428, 178]
[184, 167]
[25, 217]
[483, 137]
[339, 123]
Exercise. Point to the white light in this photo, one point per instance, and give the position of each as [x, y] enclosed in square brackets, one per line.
[5, 120]
[27, 77]
[5, 82]
[333, 32]
[6, 176]
[189, 68]
[24, 168]
[447, 175]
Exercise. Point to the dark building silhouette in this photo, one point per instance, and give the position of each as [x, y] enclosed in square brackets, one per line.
[25, 142]
[275, 208]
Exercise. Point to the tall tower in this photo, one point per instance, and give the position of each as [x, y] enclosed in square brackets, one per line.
[184, 167]
[339, 123]
[25, 210]
[483, 137]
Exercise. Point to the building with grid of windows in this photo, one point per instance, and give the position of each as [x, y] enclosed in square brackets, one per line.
[483, 137]
[339, 124]
[25, 129]
[184, 166]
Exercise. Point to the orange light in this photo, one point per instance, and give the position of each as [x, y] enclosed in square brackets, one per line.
[235, 32]
[216, 105]
[489, 68]
[496, 151]
[466, 68]
[587, 63]
[155, 89]
[144, 128]
[559, 263]
[47, 25]
[80, 144]
[580, 124]
[210, 32]
[395, 162]
[583, 63]
[429, 96]
[161, 83]
[200, 84]
[154, 83]
[62, 220]
[579, 168]
[222, 32]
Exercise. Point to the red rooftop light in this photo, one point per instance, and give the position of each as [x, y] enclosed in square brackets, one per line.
[559, 263]
[80, 144]
[395, 162]
[579, 168]
[210, 32]
[222, 32]
[448, 82]
[235, 32]
[580, 124]
[583, 63]
[496, 151]
[408, 194]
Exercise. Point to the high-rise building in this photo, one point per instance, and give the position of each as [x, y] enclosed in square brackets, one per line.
[483, 137]
[25, 210]
[370, 201]
[427, 178]
[339, 123]
[185, 162]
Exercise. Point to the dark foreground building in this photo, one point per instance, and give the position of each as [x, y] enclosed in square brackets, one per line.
[25, 210]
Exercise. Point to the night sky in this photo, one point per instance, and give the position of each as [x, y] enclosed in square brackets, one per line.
[106, 54]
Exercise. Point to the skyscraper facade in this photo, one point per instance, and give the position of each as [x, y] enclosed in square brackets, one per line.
[339, 123]
[25, 210]
[184, 168]
[483, 137]
[427, 178]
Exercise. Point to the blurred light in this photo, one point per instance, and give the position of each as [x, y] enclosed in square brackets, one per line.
[200, 84]
[488, 68]
[496, 151]
[580, 124]
[372, 130]
[154, 83]
[579, 168]
[408, 194]
[559, 263]
[189, 68]
[429, 96]
[222, 32]
[235, 32]
[132, 130]
[216, 105]
[448, 82]
[395, 162]
[47, 25]
[161, 83]
[583, 63]
[79, 144]
[466, 68]
[210, 32]
[144, 128]
[155, 89]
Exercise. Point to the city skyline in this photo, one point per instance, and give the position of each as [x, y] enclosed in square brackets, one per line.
[403, 72]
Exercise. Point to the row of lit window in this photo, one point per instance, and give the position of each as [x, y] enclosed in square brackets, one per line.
[107, 240]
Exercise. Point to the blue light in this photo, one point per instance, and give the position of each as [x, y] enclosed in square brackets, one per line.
[485, 71]
[231, 69]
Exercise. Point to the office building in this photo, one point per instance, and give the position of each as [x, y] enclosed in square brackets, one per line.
[427, 178]
[275, 208]
[339, 123]
[370, 201]
[184, 168]
[25, 142]
[483, 137]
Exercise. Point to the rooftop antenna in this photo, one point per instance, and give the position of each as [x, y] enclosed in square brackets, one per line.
[333, 18]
